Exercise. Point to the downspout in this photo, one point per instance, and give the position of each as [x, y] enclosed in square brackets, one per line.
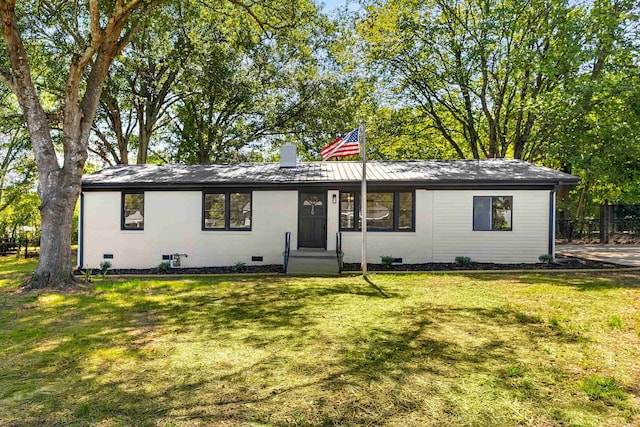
[552, 223]
[81, 233]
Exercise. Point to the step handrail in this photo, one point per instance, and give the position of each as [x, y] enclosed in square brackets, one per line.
[287, 250]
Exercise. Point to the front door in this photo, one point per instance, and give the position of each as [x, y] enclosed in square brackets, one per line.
[312, 220]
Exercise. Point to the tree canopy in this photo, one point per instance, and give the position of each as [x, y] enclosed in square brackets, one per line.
[550, 81]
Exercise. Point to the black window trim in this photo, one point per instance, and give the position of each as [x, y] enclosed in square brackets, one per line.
[396, 211]
[122, 214]
[227, 209]
[491, 212]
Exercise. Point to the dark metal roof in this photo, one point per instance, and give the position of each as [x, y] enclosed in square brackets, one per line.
[428, 173]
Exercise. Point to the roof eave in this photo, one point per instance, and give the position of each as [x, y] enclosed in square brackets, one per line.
[441, 184]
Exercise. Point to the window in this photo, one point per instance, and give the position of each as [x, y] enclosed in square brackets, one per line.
[132, 217]
[405, 211]
[492, 213]
[239, 211]
[226, 211]
[386, 211]
[214, 209]
[347, 211]
[380, 211]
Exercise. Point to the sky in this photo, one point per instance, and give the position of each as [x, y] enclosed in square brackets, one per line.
[332, 4]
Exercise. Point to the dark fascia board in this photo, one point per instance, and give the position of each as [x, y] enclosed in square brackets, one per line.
[449, 185]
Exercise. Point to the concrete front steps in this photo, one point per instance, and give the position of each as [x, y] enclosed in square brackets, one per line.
[313, 262]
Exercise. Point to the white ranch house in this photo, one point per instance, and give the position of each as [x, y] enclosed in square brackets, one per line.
[137, 216]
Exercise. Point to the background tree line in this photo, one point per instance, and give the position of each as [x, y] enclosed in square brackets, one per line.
[555, 82]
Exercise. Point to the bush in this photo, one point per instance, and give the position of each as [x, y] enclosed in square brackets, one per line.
[104, 266]
[87, 274]
[238, 267]
[164, 267]
[387, 260]
[463, 261]
[546, 258]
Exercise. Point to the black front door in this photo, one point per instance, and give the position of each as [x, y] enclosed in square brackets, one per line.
[312, 220]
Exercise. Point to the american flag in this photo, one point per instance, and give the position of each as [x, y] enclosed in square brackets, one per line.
[347, 145]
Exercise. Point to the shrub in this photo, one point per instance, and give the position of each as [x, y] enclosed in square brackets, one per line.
[104, 266]
[164, 266]
[463, 261]
[238, 266]
[546, 258]
[87, 274]
[387, 260]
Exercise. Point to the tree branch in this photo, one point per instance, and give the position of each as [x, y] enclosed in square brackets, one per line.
[24, 89]
[94, 10]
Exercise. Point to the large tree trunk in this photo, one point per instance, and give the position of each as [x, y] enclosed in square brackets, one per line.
[56, 211]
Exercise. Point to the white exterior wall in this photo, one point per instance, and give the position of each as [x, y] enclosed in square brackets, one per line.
[453, 233]
[444, 230]
[173, 224]
[413, 247]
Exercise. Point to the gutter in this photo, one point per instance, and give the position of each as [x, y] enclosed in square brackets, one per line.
[427, 185]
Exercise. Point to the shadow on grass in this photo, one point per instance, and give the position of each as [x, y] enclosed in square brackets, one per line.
[74, 345]
[65, 335]
[376, 287]
[582, 281]
[388, 356]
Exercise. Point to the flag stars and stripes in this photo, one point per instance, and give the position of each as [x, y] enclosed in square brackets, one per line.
[347, 145]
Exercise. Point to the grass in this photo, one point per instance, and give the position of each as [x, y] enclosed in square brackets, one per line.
[403, 350]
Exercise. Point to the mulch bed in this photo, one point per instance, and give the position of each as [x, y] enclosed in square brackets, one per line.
[561, 263]
[249, 269]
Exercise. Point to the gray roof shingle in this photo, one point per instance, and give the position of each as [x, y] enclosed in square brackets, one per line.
[416, 172]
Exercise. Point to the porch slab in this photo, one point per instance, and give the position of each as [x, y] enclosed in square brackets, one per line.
[312, 262]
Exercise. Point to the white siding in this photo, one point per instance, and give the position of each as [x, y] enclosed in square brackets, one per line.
[173, 225]
[413, 247]
[453, 233]
[443, 230]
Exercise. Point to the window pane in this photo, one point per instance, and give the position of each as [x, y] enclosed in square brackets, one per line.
[134, 211]
[501, 213]
[405, 211]
[379, 211]
[482, 213]
[214, 210]
[347, 210]
[240, 210]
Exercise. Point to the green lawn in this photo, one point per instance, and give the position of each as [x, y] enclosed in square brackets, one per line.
[403, 350]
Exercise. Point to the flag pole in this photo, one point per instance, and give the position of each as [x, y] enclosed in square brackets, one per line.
[363, 193]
